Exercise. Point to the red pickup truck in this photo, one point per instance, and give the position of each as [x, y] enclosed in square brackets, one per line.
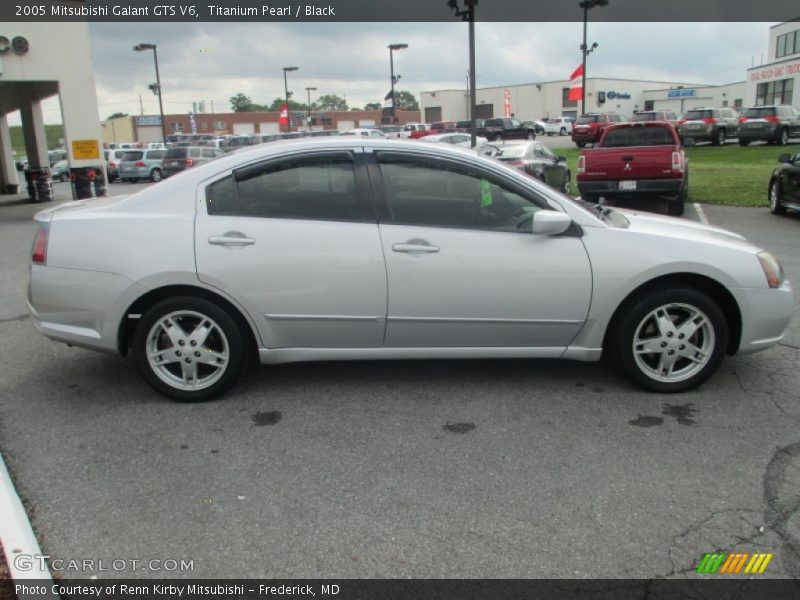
[636, 159]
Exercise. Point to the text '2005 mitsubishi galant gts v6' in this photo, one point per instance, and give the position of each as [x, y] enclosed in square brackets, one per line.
[338, 249]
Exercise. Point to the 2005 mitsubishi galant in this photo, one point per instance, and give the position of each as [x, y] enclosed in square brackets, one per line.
[360, 249]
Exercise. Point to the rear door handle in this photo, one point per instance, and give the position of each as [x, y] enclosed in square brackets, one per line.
[231, 239]
[411, 248]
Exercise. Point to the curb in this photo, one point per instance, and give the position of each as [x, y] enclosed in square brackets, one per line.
[16, 533]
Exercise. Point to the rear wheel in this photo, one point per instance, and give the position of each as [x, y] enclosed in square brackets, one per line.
[155, 175]
[671, 340]
[580, 144]
[189, 349]
[720, 140]
[566, 186]
[775, 203]
[563, 131]
[784, 139]
[63, 177]
[531, 135]
[744, 143]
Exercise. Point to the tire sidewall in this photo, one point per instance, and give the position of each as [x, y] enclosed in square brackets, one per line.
[236, 345]
[630, 320]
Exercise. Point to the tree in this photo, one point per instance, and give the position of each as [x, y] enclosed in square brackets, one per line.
[373, 106]
[242, 103]
[293, 106]
[331, 102]
[405, 100]
[117, 115]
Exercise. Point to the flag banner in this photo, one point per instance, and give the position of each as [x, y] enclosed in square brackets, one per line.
[576, 84]
[506, 103]
[284, 120]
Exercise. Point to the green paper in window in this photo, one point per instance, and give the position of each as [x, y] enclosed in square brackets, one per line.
[486, 193]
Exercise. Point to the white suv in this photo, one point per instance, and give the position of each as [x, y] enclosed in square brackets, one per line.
[559, 125]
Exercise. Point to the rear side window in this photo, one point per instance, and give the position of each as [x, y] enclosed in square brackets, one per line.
[321, 188]
[759, 113]
[176, 153]
[155, 154]
[220, 197]
[586, 119]
[638, 136]
[131, 156]
[493, 123]
[639, 117]
[698, 115]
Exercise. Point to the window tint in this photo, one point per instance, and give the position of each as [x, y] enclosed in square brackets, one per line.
[419, 192]
[493, 123]
[194, 152]
[220, 197]
[697, 115]
[208, 153]
[644, 116]
[155, 154]
[318, 188]
[638, 136]
[131, 156]
[586, 119]
[759, 113]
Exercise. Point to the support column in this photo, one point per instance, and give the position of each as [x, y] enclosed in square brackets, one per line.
[9, 179]
[33, 130]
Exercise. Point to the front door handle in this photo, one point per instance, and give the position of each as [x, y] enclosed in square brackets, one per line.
[231, 239]
[412, 248]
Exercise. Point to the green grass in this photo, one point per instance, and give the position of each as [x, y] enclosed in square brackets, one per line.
[52, 132]
[728, 174]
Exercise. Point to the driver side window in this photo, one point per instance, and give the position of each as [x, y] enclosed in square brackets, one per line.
[430, 193]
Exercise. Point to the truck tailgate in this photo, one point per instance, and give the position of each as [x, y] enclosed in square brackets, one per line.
[643, 162]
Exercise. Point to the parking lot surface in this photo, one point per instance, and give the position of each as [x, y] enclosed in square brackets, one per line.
[514, 468]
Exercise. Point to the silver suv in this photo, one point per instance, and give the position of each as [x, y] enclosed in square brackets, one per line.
[141, 164]
[773, 124]
[714, 125]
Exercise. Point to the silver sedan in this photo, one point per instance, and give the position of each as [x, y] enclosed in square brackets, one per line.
[334, 249]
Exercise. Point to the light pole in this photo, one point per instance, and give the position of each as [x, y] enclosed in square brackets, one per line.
[308, 91]
[585, 50]
[392, 48]
[288, 94]
[468, 14]
[157, 88]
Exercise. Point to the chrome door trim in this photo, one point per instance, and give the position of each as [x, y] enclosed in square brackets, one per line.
[323, 318]
[496, 321]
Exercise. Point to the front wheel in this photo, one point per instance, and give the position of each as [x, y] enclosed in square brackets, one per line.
[671, 339]
[189, 349]
[565, 187]
[775, 203]
[531, 135]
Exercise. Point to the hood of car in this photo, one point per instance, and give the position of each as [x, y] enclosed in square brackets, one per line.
[683, 229]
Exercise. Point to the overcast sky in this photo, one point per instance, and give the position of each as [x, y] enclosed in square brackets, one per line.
[214, 61]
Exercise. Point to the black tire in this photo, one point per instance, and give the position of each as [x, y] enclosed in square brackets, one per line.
[64, 177]
[580, 144]
[565, 187]
[550, 134]
[563, 131]
[593, 198]
[721, 138]
[784, 139]
[531, 135]
[155, 175]
[228, 336]
[676, 206]
[636, 317]
[775, 200]
[744, 143]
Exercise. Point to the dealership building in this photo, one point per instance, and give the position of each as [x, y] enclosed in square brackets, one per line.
[771, 83]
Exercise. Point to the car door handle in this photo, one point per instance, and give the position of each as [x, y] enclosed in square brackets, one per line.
[231, 240]
[421, 248]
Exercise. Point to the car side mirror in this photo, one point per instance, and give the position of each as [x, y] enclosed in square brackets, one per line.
[550, 222]
[785, 159]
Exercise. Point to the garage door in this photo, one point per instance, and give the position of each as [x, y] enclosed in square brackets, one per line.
[366, 122]
[345, 125]
[484, 111]
[432, 114]
[266, 127]
[244, 128]
[149, 134]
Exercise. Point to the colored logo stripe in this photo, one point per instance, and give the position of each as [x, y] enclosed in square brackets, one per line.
[722, 562]
[711, 562]
[758, 564]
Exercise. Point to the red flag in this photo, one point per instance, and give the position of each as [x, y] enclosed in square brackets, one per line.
[576, 84]
[284, 120]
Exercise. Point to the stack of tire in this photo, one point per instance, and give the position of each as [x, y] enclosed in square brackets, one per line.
[40, 184]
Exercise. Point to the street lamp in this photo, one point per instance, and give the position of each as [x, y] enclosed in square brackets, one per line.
[392, 48]
[288, 94]
[586, 5]
[308, 91]
[157, 87]
[468, 14]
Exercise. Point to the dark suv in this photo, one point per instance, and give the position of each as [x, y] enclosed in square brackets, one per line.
[183, 157]
[774, 124]
[709, 125]
[508, 129]
[588, 129]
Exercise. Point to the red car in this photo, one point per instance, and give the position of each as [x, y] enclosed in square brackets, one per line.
[588, 129]
[636, 159]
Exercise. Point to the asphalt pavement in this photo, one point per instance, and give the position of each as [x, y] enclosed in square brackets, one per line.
[514, 468]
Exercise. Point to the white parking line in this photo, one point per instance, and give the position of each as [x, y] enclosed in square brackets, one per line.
[16, 534]
[701, 213]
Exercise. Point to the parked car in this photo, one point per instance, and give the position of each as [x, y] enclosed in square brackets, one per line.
[588, 129]
[391, 131]
[532, 158]
[416, 130]
[538, 126]
[113, 158]
[55, 156]
[442, 127]
[508, 129]
[460, 140]
[773, 124]
[466, 127]
[636, 159]
[426, 252]
[365, 132]
[60, 171]
[559, 126]
[229, 144]
[784, 185]
[656, 115]
[21, 164]
[714, 125]
[180, 158]
[142, 164]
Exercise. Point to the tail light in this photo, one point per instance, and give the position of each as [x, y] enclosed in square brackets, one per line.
[188, 162]
[39, 250]
[742, 119]
[681, 121]
[677, 163]
[582, 165]
[112, 164]
[139, 164]
[772, 119]
[709, 121]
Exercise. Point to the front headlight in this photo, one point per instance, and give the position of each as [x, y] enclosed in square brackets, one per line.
[772, 269]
